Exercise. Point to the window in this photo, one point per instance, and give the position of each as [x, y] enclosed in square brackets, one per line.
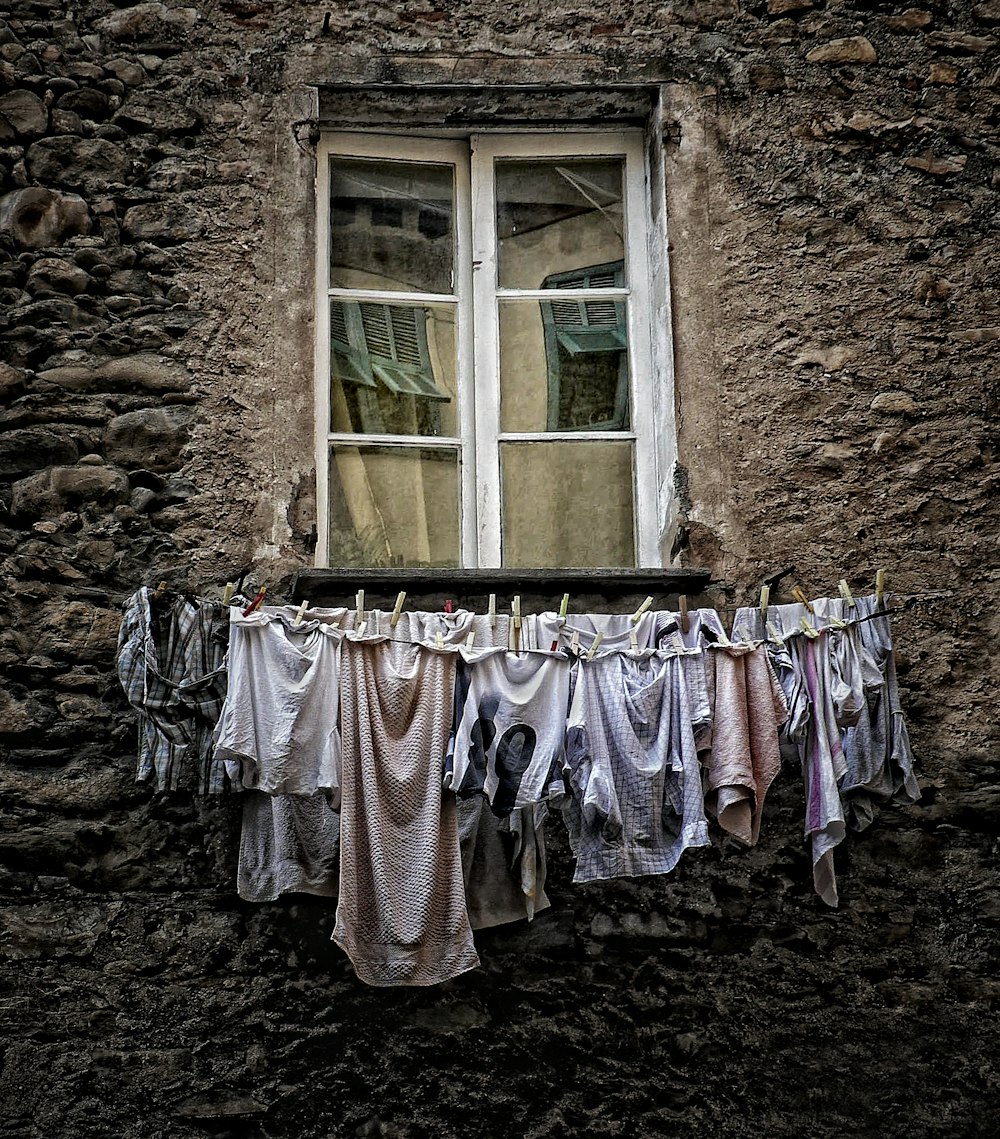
[485, 368]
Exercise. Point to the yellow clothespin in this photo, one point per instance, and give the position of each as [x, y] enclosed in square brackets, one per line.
[772, 631]
[765, 598]
[845, 593]
[439, 641]
[801, 598]
[642, 609]
[227, 593]
[301, 612]
[397, 609]
[493, 610]
[807, 628]
[595, 646]
[836, 622]
[682, 603]
[360, 599]
[564, 606]
[879, 588]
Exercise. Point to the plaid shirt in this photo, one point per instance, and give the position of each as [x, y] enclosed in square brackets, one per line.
[173, 670]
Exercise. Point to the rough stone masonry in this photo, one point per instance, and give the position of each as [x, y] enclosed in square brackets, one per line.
[832, 170]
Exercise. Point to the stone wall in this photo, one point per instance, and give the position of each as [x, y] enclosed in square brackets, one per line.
[832, 189]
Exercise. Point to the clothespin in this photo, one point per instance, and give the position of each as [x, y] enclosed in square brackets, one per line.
[801, 598]
[574, 644]
[679, 646]
[836, 622]
[362, 629]
[807, 628]
[227, 593]
[642, 609]
[879, 588]
[439, 641]
[564, 606]
[161, 589]
[765, 597]
[470, 640]
[595, 646]
[772, 632]
[845, 593]
[397, 609]
[301, 612]
[448, 606]
[515, 607]
[493, 610]
[257, 602]
[682, 603]
[724, 640]
[360, 599]
[633, 640]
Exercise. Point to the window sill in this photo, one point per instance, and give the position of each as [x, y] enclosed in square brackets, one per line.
[618, 589]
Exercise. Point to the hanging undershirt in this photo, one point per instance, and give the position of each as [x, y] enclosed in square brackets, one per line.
[543, 630]
[401, 916]
[636, 801]
[278, 730]
[704, 629]
[743, 759]
[422, 627]
[509, 741]
[288, 843]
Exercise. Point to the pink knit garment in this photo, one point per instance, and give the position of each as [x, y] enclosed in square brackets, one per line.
[749, 706]
[401, 916]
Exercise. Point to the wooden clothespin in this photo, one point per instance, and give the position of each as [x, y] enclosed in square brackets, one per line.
[515, 608]
[301, 612]
[574, 644]
[765, 598]
[642, 609]
[360, 600]
[257, 602]
[678, 643]
[879, 588]
[807, 628]
[470, 640]
[772, 632]
[439, 642]
[799, 594]
[595, 646]
[845, 593]
[682, 603]
[397, 609]
[227, 593]
[564, 606]
[633, 641]
[362, 629]
[493, 610]
[161, 589]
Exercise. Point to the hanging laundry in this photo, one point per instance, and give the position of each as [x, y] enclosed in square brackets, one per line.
[704, 628]
[401, 917]
[509, 741]
[288, 844]
[545, 630]
[170, 663]
[278, 729]
[636, 798]
[743, 757]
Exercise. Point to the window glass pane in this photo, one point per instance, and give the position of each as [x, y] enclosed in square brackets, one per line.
[567, 504]
[558, 216]
[394, 506]
[393, 369]
[391, 225]
[563, 365]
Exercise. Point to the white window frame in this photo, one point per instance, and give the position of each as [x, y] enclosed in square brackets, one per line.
[476, 295]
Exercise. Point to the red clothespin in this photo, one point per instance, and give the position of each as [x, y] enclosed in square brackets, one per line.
[448, 606]
[256, 603]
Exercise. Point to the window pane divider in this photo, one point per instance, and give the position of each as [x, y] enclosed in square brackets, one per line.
[430, 442]
[385, 296]
[562, 294]
[566, 436]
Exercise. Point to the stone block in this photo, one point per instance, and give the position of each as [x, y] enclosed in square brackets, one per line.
[23, 113]
[142, 372]
[53, 491]
[159, 114]
[92, 164]
[930, 163]
[34, 448]
[147, 22]
[151, 438]
[51, 276]
[127, 71]
[53, 930]
[166, 221]
[898, 403]
[37, 218]
[87, 102]
[852, 49]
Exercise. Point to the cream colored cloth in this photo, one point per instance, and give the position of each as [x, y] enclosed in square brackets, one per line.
[748, 707]
[401, 916]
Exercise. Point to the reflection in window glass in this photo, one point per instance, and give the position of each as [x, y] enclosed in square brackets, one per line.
[393, 368]
[563, 365]
[391, 225]
[557, 215]
[567, 504]
[394, 506]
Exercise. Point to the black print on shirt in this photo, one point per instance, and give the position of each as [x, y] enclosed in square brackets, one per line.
[510, 759]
